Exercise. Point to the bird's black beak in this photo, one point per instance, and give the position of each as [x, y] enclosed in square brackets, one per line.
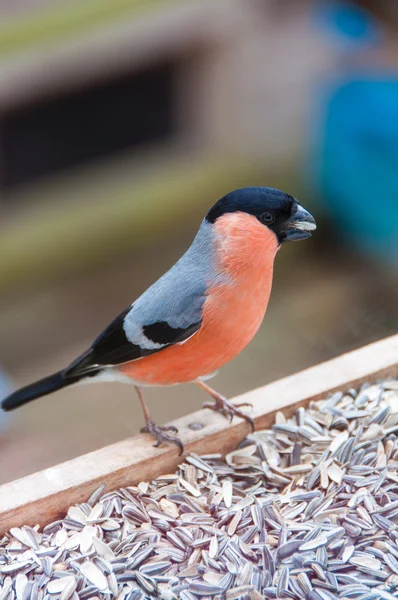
[299, 226]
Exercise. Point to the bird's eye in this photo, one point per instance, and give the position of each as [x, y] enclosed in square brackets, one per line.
[267, 218]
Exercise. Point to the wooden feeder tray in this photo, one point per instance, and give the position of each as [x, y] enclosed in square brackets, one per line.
[45, 496]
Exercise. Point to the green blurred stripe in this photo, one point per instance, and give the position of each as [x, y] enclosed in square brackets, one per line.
[66, 19]
[70, 238]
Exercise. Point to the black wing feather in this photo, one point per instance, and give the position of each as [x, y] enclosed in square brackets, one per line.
[113, 348]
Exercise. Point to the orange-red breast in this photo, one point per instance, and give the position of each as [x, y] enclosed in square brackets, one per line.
[201, 313]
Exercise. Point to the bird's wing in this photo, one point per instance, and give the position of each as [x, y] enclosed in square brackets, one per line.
[154, 322]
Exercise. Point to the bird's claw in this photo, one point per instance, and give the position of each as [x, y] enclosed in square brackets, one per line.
[157, 431]
[229, 410]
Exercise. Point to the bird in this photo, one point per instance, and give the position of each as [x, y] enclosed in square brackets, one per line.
[199, 315]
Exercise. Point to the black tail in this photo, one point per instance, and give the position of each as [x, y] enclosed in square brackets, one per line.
[35, 390]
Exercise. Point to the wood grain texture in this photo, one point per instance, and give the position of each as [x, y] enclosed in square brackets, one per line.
[44, 496]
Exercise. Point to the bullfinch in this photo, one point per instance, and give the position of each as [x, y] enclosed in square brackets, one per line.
[200, 314]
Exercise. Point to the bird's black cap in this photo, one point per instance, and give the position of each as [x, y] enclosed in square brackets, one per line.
[254, 201]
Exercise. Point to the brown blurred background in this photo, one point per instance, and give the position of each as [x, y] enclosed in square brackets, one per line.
[121, 122]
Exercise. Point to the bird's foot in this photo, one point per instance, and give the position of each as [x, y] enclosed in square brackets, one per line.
[229, 410]
[157, 431]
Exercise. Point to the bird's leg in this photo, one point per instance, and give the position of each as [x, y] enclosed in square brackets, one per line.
[222, 405]
[157, 431]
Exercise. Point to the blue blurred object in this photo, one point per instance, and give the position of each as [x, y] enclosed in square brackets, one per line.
[356, 155]
[348, 22]
[5, 389]
[358, 168]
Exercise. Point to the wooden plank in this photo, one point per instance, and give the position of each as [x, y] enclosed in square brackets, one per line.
[44, 496]
[72, 237]
[55, 22]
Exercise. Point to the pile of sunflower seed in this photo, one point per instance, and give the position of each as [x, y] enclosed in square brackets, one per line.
[306, 510]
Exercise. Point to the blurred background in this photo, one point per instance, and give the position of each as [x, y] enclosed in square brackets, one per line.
[121, 122]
